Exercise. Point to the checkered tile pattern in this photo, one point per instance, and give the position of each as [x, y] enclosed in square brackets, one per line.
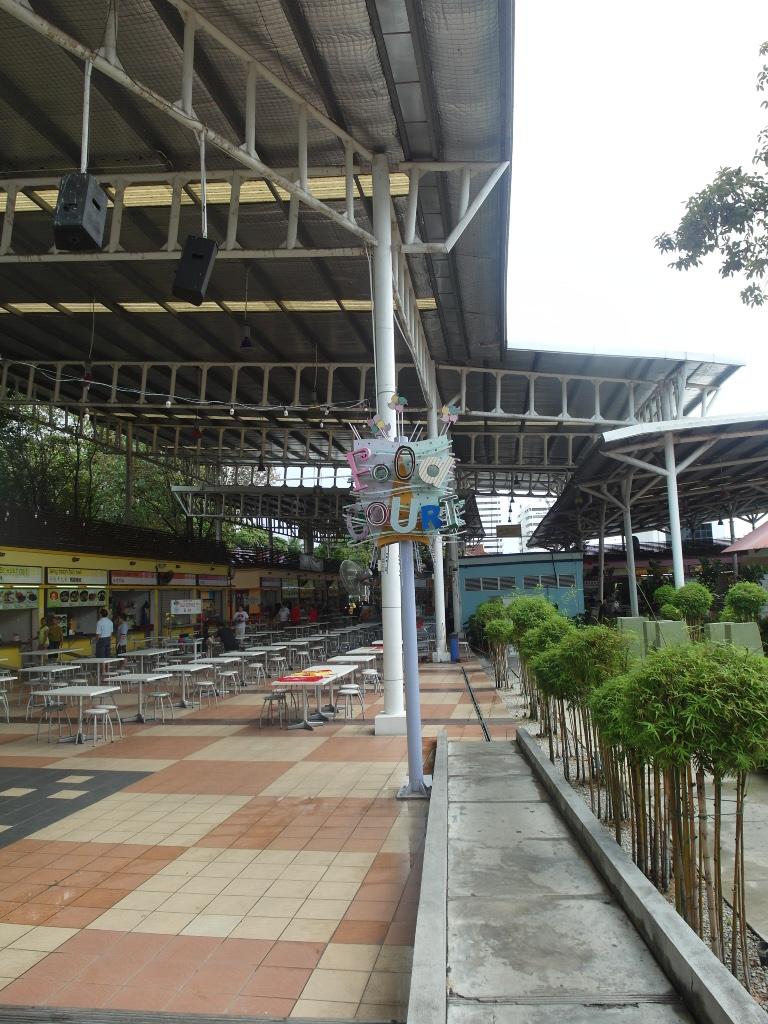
[228, 870]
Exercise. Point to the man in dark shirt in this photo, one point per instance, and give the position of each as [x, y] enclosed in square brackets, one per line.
[226, 638]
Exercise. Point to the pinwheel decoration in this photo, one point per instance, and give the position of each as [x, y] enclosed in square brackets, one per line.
[449, 413]
[397, 402]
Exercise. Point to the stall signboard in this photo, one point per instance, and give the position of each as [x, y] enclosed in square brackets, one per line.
[21, 575]
[212, 581]
[17, 599]
[77, 597]
[405, 489]
[183, 579]
[77, 577]
[188, 607]
[270, 583]
[131, 578]
[308, 563]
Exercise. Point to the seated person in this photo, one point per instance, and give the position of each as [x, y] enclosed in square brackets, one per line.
[226, 638]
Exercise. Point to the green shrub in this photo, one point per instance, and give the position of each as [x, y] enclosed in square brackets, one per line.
[670, 611]
[743, 602]
[529, 612]
[498, 637]
[538, 639]
[492, 609]
[665, 594]
[694, 600]
[591, 655]
[607, 703]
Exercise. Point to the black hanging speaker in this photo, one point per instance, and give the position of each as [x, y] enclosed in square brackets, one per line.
[81, 213]
[194, 269]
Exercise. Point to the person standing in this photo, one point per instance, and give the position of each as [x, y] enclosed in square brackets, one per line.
[240, 620]
[42, 636]
[283, 614]
[104, 630]
[122, 635]
[55, 635]
[295, 615]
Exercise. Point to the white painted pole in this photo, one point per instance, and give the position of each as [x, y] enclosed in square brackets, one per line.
[392, 721]
[415, 785]
[441, 653]
[601, 558]
[455, 586]
[630, 547]
[678, 567]
[733, 541]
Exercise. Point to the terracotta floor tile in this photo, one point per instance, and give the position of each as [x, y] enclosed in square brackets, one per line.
[110, 970]
[294, 954]
[172, 974]
[6, 907]
[61, 966]
[100, 899]
[74, 917]
[260, 1006]
[250, 952]
[90, 942]
[401, 933]
[192, 948]
[87, 878]
[362, 932]
[371, 910]
[61, 895]
[280, 982]
[219, 978]
[31, 913]
[145, 997]
[381, 891]
[138, 945]
[73, 994]
[29, 992]
[196, 1002]
[20, 892]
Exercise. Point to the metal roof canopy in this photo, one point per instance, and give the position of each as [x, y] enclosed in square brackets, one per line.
[721, 466]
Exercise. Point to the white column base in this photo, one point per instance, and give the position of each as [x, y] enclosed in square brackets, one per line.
[441, 656]
[390, 725]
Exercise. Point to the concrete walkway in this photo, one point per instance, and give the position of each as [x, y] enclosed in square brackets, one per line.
[533, 935]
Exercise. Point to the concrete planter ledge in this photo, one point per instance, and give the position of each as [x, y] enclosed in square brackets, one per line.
[707, 987]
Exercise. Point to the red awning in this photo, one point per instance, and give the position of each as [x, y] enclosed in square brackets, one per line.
[755, 541]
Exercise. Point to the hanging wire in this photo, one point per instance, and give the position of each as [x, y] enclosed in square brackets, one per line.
[203, 190]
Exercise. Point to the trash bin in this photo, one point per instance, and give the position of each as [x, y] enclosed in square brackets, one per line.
[453, 643]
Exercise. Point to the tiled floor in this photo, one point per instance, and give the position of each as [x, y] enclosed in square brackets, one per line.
[220, 868]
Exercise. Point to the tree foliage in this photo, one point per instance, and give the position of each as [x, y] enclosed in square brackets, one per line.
[743, 602]
[729, 217]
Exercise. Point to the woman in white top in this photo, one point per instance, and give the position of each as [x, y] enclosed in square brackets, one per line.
[240, 620]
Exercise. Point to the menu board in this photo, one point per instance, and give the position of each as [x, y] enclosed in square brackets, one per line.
[16, 599]
[78, 577]
[183, 579]
[187, 607]
[76, 597]
[127, 577]
[21, 575]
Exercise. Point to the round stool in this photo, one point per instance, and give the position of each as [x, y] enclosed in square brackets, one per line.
[302, 659]
[53, 710]
[112, 709]
[206, 688]
[96, 715]
[278, 665]
[275, 698]
[348, 695]
[161, 697]
[372, 677]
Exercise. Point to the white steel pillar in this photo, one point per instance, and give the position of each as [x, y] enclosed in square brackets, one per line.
[601, 558]
[392, 720]
[415, 786]
[678, 566]
[441, 652]
[734, 556]
[630, 547]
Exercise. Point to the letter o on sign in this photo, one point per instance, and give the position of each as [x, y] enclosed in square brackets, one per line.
[377, 513]
[405, 462]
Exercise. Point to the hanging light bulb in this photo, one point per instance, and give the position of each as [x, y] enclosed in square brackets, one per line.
[231, 410]
[247, 340]
[168, 403]
[285, 411]
[261, 468]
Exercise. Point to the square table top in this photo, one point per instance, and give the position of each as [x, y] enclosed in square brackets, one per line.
[81, 691]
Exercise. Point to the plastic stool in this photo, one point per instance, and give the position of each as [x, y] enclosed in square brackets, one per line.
[160, 697]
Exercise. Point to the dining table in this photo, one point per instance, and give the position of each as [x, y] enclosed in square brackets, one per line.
[81, 693]
[140, 678]
[100, 664]
[145, 655]
[186, 669]
[317, 678]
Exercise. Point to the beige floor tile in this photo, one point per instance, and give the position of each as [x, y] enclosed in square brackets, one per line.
[43, 939]
[387, 987]
[10, 932]
[66, 794]
[314, 857]
[260, 928]
[142, 901]
[236, 905]
[187, 902]
[336, 986]
[354, 859]
[381, 1011]
[119, 920]
[276, 857]
[269, 906]
[345, 873]
[214, 925]
[237, 856]
[163, 883]
[16, 961]
[242, 748]
[290, 887]
[323, 910]
[322, 1010]
[209, 886]
[200, 854]
[335, 890]
[262, 869]
[395, 958]
[16, 790]
[349, 956]
[220, 869]
[309, 931]
[5, 981]
[181, 868]
[302, 872]
[246, 887]
[164, 922]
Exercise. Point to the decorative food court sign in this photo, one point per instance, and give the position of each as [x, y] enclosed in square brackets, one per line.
[191, 606]
[405, 487]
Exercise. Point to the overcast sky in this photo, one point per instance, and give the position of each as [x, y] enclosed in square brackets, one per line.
[621, 112]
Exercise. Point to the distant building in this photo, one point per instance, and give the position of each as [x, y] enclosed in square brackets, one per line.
[531, 516]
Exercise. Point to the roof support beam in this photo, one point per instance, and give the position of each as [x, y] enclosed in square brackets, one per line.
[21, 12]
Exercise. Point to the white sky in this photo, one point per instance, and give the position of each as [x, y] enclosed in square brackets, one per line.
[621, 112]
